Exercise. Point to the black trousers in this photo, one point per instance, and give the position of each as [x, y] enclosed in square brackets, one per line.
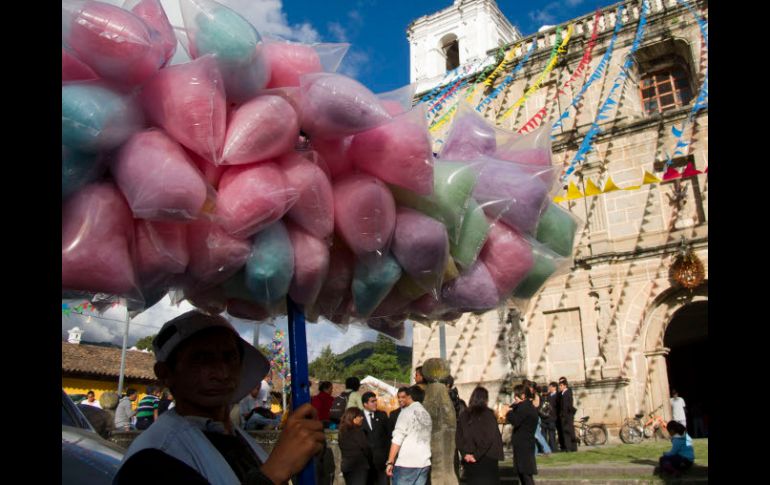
[484, 472]
[549, 431]
[377, 477]
[357, 476]
[144, 423]
[526, 479]
[568, 427]
[560, 430]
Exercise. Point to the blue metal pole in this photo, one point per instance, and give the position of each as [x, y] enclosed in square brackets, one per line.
[300, 382]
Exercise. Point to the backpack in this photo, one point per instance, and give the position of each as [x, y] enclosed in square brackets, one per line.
[339, 405]
[545, 409]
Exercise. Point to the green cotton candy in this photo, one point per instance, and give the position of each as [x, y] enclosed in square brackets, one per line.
[543, 268]
[453, 184]
[270, 266]
[226, 34]
[473, 234]
[556, 230]
[372, 281]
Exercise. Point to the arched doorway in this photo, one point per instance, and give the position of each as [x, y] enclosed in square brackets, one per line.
[687, 338]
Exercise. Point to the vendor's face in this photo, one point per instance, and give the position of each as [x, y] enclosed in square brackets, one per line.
[207, 371]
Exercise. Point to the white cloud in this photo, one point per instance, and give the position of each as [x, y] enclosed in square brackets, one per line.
[338, 32]
[269, 18]
[354, 63]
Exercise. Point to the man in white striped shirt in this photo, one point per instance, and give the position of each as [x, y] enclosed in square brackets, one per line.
[411, 442]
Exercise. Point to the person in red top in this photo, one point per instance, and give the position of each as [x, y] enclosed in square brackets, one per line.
[323, 401]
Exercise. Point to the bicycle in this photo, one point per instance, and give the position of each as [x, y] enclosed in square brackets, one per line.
[634, 431]
[590, 434]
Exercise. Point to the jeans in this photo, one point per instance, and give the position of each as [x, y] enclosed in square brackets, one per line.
[257, 421]
[541, 439]
[410, 476]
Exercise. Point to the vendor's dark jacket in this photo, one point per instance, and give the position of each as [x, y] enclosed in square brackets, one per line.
[355, 450]
[479, 435]
[523, 417]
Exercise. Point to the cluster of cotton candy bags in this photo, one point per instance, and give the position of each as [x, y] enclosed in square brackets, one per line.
[254, 172]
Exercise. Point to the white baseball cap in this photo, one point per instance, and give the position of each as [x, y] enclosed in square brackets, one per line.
[254, 365]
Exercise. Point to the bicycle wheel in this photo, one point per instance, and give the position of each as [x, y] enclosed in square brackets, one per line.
[630, 434]
[649, 431]
[596, 434]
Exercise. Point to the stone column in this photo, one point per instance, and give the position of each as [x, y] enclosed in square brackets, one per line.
[442, 414]
[657, 382]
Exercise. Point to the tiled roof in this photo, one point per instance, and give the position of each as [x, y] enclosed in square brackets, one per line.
[105, 361]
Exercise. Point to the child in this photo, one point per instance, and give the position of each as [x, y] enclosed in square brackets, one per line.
[682, 453]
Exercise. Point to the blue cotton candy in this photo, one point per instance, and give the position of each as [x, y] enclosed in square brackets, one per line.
[77, 170]
[95, 118]
[372, 281]
[270, 266]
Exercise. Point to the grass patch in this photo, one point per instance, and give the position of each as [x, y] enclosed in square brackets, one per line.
[646, 452]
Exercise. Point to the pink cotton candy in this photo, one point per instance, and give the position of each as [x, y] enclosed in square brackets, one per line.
[73, 69]
[161, 249]
[421, 246]
[336, 288]
[188, 101]
[335, 106]
[158, 179]
[252, 197]
[335, 154]
[151, 11]
[97, 238]
[214, 254]
[265, 127]
[393, 108]
[212, 173]
[311, 264]
[289, 61]
[471, 291]
[364, 213]
[115, 43]
[398, 152]
[508, 257]
[314, 208]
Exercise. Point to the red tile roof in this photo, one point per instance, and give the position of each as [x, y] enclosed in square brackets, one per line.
[105, 361]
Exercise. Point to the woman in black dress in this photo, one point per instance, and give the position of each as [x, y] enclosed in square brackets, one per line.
[354, 447]
[479, 440]
[523, 416]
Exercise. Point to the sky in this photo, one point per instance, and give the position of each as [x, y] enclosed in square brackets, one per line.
[379, 58]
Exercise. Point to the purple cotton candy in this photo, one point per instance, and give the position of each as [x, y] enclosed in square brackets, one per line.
[508, 191]
[471, 291]
[398, 152]
[508, 257]
[314, 208]
[364, 213]
[311, 264]
[470, 137]
[265, 127]
[421, 246]
[158, 179]
[335, 106]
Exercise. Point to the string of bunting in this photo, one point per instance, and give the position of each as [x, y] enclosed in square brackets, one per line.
[508, 79]
[598, 72]
[279, 361]
[587, 144]
[585, 60]
[67, 309]
[700, 102]
[505, 60]
[447, 95]
[592, 189]
[551, 64]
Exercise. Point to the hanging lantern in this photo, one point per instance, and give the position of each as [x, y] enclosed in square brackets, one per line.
[687, 269]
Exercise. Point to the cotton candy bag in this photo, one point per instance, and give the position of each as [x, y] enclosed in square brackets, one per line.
[214, 254]
[270, 266]
[314, 207]
[73, 69]
[78, 169]
[556, 229]
[161, 31]
[473, 290]
[421, 247]
[364, 214]
[161, 251]
[334, 152]
[508, 257]
[311, 264]
[372, 281]
[470, 136]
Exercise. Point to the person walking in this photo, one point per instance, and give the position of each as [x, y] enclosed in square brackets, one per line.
[378, 434]
[523, 417]
[124, 412]
[537, 402]
[354, 448]
[147, 409]
[677, 408]
[479, 441]
[409, 458]
[322, 402]
[567, 415]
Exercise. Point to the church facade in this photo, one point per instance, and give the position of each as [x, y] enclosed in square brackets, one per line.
[628, 321]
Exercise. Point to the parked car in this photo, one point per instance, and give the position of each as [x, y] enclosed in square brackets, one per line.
[86, 456]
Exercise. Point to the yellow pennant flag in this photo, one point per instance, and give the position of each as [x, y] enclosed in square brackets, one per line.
[573, 192]
[650, 178]
[633, 187]
[610, 186]
[592, 189]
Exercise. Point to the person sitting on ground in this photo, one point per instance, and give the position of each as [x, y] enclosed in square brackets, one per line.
[208, 366]
[682, 454]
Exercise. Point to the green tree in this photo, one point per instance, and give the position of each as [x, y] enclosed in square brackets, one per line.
[326, 367]
[145, 343]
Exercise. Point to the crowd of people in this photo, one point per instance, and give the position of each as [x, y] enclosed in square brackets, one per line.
[217, 386]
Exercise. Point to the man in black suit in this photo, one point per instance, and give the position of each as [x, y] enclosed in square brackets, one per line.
[567, 415]
[550, 423]
[523, 417]
[378, 432]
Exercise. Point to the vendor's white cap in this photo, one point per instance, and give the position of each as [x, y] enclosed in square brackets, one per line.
[254, 367]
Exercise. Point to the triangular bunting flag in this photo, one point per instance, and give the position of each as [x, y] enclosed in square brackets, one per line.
[573, 192]
[558, 199]
[671, 174]
[592, 189]
[633, 187]
[649, 178]
[677, 132]
[610, 186]
[690, 171]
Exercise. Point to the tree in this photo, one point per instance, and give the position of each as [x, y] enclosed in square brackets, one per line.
[326, 367]
[145, 343]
